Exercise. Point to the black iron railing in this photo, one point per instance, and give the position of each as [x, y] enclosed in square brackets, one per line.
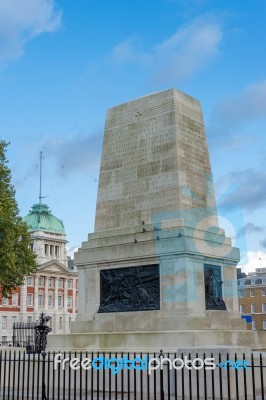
[24, 334]
[34, 376]
[32, 336]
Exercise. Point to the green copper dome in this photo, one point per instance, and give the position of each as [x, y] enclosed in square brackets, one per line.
[40, 218]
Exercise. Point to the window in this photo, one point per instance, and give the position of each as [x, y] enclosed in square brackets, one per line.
[30, 299]
[41, 281]
[264, 307]
[69, 284]
[46, 249]
[40, 300]
[263, 280]
[31, 247]
[14, 299]
[60, 322]
[57, 251]
[252, 308]
[14, 320]
[30, 281]
[241, 308]
[5, 301]
[263, 292]
[60, 283]
[29, 319]
[69, 302]
[241, 283]
[69, 321]
[60, 301]
[51, 250]
[50, 300]
[4, 322]
[51, 282]
[253, 325]
[4, 339]
[241, 293]
[252, 293]
[253, 281]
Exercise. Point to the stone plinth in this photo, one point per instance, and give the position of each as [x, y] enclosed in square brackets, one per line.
[154, 341]
[182, 291]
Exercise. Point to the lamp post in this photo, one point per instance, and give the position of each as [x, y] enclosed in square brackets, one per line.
[41, 332]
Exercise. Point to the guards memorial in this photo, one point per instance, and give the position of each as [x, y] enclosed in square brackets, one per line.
[157, 272]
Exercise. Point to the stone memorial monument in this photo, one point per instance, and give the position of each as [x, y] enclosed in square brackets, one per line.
[157, 272]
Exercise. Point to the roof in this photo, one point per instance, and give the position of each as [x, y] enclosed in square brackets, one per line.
[56, 267]
[40, 218]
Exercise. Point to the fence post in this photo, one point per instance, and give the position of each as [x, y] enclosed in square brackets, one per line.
[43, 376]
[13, 336]
[161, 356]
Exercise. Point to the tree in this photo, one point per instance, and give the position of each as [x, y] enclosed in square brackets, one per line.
[16, 258]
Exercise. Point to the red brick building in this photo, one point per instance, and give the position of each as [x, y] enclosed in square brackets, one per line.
[252, 298]
[53, 289]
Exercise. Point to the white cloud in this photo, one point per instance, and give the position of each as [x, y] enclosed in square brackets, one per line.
[232, 115]
[237, 192]
[21, 21]
[128, 52]
[181, 55]
[250, 228]
[75, 153]
[255, 259]
[71, 251]
[248, 105]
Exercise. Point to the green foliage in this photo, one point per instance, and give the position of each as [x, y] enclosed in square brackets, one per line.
[16, 259]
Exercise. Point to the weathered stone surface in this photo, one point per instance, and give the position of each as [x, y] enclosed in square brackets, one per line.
[156, 206]
[155, 159]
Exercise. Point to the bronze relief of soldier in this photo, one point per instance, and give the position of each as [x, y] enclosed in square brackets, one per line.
[213, 288]
[130, 289]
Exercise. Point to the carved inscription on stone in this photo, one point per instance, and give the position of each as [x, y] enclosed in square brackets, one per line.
[154, 147]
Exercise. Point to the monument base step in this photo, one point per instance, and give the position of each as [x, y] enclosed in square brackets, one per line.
[156, 321]
[154, 341]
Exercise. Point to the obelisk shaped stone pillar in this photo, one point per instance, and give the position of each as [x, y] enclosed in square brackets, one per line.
[155, 159]
[157, 248]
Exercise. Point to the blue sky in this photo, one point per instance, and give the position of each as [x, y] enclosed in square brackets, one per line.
[63, 63]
